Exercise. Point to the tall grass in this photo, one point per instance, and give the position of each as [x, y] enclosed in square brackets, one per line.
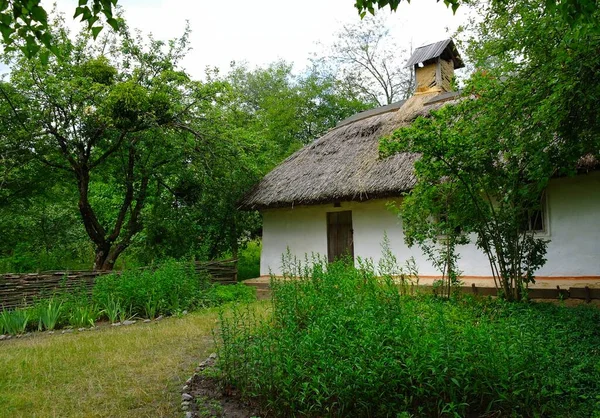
[342, 342]
[15, 321]
[172, 288]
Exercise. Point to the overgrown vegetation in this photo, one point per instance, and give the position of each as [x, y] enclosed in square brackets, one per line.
[525, 117]
[160, 160]
[170, 289]
[249, 260]
[342, 342]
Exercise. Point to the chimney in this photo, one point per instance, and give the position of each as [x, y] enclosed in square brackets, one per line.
[434, 66]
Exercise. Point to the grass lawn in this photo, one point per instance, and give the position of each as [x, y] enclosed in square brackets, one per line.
[127, 371]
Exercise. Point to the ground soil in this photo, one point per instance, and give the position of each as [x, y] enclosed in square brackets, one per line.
[211, 399]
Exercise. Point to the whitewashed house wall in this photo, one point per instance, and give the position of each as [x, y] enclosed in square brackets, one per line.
[572, 224]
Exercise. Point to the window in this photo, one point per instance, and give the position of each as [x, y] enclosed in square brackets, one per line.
[535, 221]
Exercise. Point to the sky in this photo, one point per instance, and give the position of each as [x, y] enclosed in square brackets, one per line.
[262, 31]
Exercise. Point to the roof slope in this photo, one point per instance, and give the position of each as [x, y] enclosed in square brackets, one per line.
[445, 49]
[344, 164]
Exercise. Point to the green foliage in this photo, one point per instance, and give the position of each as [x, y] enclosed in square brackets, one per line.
[572, 11]
[139, 122]
[111, 306]
[249, 260]
[24, 24]
[161, 161]
[83, 316]
[49, 312]
[525, 116]
[14, 322]
[171, 288]
[471, 182]
[342, 342]
[220, 294]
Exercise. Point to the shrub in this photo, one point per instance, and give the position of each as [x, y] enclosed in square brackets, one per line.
[171, 288]
[219, 294]
[249, 260]
[342, 342]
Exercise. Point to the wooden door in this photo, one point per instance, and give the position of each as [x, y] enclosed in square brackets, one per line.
[340, 239]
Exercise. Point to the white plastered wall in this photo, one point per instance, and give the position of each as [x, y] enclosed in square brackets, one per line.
[572, 222]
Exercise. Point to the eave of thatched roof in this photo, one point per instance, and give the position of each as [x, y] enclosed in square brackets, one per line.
[344, 164]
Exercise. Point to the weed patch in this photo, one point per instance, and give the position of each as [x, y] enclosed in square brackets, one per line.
[171, 289]
[342, 342]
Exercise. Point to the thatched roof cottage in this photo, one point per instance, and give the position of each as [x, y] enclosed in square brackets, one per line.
[330, 197]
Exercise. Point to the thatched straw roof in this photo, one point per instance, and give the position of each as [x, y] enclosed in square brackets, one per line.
[344, 164]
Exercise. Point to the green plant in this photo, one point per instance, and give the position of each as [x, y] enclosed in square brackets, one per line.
[152, 307]
[15, 321]
[83, 316]
[249, 260]
[112, 308]
[219, 294]
[49, 314]
[342, 341]
[172, 287]
[125, 314]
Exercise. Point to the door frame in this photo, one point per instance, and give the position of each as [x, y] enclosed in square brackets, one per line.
[339, 229]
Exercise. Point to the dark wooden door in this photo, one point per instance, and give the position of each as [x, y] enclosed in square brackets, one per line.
[340, 239]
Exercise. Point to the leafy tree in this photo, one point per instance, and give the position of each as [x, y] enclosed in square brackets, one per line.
[24, 23]
[368, 63]
[116, 119]
[288, 110]
[526, 116]
[572, 11]
[264, 115]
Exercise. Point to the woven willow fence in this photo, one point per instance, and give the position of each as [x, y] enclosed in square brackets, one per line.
[20, 289]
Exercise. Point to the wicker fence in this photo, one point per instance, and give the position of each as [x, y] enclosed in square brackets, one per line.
[19, 289]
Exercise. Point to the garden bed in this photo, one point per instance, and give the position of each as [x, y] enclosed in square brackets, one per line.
[342, 342]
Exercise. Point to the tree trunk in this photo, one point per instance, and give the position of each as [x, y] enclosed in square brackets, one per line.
[109, 262]
[102, 253]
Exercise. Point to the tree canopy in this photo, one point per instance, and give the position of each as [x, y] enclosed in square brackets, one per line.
[368, 63]
[24, 23]
[572, 11]
[110, 148]
[526, 116]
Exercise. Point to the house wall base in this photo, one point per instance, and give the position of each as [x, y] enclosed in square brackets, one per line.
[572, 227]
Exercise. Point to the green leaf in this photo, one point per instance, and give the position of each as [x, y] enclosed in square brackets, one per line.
[96, 31]
[6, 32]
[46, 39]
[39, 14]
[17, 11]
[79, 11]
[114, 23]
[44, 56]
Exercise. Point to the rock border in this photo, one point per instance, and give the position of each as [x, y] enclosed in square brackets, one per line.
[70, 330]
[202, 396]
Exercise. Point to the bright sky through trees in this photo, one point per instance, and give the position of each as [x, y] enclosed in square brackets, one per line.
[263, 31]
